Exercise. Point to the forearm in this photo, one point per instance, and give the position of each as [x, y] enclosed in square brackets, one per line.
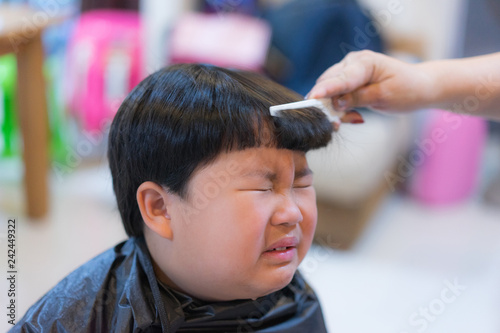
[470, 85]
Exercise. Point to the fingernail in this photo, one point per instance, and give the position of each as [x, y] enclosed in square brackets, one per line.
[356, 117]
[352, 117]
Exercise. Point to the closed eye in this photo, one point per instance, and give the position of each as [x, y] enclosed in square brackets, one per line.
[262, 189]
[256, 189]
[302, 186]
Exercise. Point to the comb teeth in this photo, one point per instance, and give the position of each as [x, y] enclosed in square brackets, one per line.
[324, 104]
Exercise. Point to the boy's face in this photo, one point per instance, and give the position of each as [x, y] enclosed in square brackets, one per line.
[238, 210]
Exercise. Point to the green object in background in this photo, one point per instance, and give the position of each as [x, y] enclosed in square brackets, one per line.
[9, 129]
[9, 140]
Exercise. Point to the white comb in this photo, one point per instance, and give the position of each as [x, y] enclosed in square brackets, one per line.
[324, 104]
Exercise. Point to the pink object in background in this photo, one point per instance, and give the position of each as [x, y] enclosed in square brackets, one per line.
[451, 147]
[226, 40]
[104, 64]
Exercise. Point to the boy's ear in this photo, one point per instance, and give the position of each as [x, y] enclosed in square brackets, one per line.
[153, 203]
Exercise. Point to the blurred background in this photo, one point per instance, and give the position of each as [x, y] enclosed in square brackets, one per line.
[409, 227]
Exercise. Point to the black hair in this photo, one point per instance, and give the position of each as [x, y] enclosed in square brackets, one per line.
[181, 117]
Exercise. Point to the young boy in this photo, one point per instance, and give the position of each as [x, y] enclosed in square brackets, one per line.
[217, 198]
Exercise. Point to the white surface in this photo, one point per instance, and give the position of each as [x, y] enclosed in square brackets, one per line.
[399, 265]
[356, 161]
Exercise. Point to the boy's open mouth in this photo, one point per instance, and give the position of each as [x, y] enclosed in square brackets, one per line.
[283, 244]
[282, 251]
[284, 248]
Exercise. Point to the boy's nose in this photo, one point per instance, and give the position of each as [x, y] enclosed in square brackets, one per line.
[287, 212]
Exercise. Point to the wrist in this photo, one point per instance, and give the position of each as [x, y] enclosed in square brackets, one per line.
[432, 85]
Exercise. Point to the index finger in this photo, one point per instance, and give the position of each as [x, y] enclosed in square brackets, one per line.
[341, 79]
[354, 71]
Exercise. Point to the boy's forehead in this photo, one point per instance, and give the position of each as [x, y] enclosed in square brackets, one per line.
[264, 162]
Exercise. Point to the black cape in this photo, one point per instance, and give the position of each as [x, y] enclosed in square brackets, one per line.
[118, 292]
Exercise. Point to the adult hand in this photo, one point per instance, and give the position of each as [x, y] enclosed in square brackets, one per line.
[377, 81]
[374, 80]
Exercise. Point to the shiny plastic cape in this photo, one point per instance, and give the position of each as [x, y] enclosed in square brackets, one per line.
[118, 292]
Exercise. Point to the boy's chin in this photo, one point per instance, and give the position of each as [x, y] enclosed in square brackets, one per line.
[278, 283]
[258, 287]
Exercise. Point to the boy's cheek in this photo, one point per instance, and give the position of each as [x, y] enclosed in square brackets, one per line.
[309, 208]
[308, 228]
[308, 225]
